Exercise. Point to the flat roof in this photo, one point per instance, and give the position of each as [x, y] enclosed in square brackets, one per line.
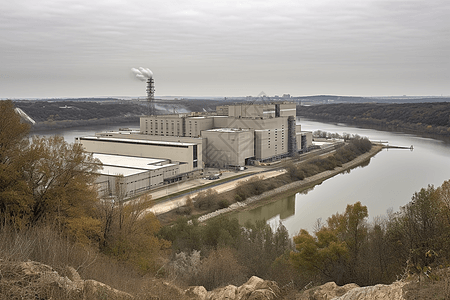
[228, 130]
[135, 141]
[115, 170]
[131, 161]
[128, 165]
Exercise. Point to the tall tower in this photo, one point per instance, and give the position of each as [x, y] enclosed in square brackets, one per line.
[151, 96]
[145, 74]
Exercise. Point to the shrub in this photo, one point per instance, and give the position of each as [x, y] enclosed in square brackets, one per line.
[220, 268]
[206, 200]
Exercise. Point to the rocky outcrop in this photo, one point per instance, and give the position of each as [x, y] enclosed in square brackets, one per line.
[329, 290]
[254, 289]
[33, 280]
[380, 292]
[353, 292]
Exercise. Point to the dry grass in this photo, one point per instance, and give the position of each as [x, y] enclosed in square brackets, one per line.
[44, 245]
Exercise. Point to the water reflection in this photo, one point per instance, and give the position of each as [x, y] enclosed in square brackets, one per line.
[281, 209]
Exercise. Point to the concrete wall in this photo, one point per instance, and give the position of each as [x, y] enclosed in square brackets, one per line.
[228, 147]
[288, 109]
[177, 152]
[163, 125]
[112, 185]
[195, 125]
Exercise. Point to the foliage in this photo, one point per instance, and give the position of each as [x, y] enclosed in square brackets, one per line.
[130, 234]
[249, 250]
[45, 180]
[333, 253]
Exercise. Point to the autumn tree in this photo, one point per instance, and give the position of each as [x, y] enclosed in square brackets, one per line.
[45, 180]
[15, 197]
[333, 253]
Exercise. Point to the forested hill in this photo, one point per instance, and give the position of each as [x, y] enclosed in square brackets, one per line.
[430, 118]
[72, 113]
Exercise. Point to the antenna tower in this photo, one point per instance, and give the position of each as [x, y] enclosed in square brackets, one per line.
[151, 96]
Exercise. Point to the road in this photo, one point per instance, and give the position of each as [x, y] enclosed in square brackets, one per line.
[174, 203]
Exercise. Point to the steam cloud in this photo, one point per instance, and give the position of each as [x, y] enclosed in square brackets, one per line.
[142, 73]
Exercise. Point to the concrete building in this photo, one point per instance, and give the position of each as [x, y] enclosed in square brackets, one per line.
[228, 147]
[272, 125]
[126, 176]
[183, 144]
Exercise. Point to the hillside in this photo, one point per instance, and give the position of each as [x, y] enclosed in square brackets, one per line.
[420, 118]
[73, 113]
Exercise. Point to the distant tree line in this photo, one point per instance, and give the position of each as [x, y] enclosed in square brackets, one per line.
[73, 113]
[429, 118]
[50, 111]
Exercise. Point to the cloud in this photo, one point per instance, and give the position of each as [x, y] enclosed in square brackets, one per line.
[235, 39]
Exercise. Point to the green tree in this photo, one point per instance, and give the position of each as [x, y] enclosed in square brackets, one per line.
[334, 251]
[323, 256]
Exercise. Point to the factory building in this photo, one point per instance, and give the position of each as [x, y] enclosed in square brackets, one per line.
[128, 176]
[168, 148]
[237, 134]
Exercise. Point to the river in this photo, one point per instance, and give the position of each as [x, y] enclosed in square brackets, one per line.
[387, 182]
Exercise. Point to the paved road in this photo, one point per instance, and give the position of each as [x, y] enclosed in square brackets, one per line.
[220, 188]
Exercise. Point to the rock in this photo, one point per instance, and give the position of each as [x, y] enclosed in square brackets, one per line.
[353, 292]
[380, 292]
[225, 293]
[247, 288]
[33, 280]
[254, 289]
[196, 292]
[329, 290]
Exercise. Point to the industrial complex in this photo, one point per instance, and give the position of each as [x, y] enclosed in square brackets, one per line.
[173, 147]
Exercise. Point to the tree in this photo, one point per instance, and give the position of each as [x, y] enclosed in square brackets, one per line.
[334, 251]
[45, 180]
[322, 256]
[417, 228]
[15, 198]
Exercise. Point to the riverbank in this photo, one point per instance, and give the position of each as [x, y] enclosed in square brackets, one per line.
[294, 187]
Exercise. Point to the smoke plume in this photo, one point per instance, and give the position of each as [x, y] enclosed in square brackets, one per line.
[142, 73]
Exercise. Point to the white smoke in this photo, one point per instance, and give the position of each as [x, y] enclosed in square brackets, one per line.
[142, 73]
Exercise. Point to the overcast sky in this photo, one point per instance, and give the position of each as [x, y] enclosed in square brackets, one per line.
[70, 48]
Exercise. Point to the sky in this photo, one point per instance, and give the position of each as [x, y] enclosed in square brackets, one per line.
[81, 48]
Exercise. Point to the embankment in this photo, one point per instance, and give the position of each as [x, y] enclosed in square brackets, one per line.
[293, 187]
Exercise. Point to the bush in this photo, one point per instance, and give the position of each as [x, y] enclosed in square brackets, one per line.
[206, 200]
[223, 203]
[220, 268]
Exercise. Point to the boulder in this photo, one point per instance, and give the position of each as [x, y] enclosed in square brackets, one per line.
[329, 290]
[196, 292]
[33, 280]
[254, 289]
[225, 293]
[393, 291]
